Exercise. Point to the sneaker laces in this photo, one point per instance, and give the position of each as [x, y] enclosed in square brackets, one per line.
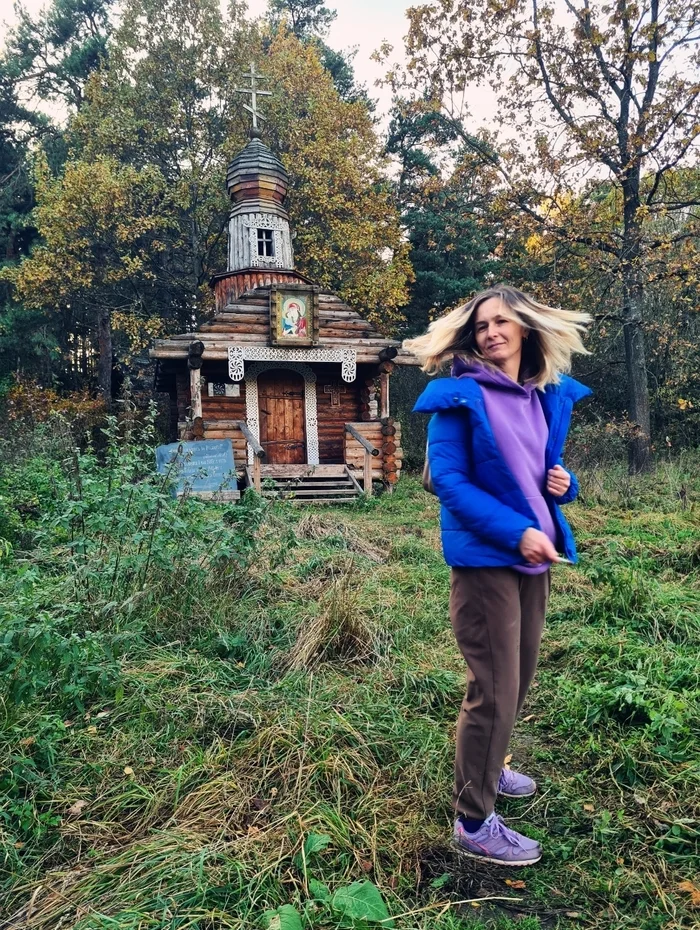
[498, 828]
[506, 780]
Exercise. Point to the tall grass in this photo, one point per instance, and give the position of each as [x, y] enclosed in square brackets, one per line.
[240, 717]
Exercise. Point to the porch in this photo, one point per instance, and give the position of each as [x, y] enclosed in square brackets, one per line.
[364, 454]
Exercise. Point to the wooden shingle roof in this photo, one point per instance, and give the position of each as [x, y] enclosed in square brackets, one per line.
[247, 320]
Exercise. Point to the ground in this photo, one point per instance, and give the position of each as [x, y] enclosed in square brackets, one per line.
[270, 743]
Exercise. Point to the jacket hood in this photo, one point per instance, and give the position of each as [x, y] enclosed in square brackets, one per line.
[450, 393]
[491, 377]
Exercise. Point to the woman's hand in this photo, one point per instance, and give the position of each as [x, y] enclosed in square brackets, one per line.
[558, 481]
[537, 547]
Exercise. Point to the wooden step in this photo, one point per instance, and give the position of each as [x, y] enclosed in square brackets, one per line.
[308, 484]
[305, 479]
[303, 501]
[312, 485]
[301, 492]
[298, 471]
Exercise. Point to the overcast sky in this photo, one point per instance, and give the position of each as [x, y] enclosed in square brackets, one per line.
[363, 24]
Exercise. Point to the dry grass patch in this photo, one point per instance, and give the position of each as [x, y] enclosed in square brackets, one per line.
[340, 630]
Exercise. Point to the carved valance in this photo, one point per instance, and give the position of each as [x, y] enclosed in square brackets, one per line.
[347, 357]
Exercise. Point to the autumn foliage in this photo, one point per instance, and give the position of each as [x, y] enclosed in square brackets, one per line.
[133, 225]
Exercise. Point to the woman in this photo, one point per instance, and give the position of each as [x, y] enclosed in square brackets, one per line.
[494, 443]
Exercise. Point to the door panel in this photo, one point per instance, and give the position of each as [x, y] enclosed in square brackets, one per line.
[282, 418]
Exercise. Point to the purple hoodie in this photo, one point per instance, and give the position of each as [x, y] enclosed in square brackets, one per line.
[520, 429]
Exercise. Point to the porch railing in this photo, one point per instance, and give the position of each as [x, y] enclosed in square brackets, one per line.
[370, 451]
[258, 452]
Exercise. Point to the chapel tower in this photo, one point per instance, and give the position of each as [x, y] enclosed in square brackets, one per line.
[258, 230]
[260, 251]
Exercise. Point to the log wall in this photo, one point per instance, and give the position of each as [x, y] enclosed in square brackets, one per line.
[384, 435]
[332, 420]
[336, 446]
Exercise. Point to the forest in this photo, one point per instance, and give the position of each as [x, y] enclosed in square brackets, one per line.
[116, 133]
[236, 717]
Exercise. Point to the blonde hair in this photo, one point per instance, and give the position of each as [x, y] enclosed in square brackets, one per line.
[554, 335]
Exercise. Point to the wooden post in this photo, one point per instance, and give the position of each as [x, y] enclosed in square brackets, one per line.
[389, 450]
[257, 482]
[384, 394]
[368, 474]
[195, 393]
[258, 453]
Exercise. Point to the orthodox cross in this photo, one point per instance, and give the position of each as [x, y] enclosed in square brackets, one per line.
[335, 389]
[254, 92]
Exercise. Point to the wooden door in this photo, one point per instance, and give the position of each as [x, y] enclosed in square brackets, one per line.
[282, 419]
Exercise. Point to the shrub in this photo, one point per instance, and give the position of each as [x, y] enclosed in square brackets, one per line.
[116, 551]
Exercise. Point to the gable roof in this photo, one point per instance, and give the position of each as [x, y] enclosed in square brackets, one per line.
[247, 320]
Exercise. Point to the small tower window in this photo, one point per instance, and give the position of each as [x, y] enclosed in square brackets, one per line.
[266, 243]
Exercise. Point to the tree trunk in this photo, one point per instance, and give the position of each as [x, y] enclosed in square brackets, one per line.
[639, 447]
[104, 361]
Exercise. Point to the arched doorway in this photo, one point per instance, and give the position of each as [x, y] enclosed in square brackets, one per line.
[281, 411]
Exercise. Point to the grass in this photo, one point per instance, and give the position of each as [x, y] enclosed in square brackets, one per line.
[265, 739]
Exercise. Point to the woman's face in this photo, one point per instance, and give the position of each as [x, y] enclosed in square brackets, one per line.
[498, 338]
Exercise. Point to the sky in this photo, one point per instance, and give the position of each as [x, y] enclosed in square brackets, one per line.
[360, 24]
[364, 24]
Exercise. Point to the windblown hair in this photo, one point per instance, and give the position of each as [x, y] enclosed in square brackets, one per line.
[554, 335]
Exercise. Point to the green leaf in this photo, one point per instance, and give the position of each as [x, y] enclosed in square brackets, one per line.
[319, 891]
[285, 917]
[362, 901]
[315, 842]
[441, 881]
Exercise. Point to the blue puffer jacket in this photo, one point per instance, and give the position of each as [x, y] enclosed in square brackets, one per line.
[484, 512]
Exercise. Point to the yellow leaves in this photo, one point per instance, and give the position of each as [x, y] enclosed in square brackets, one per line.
[92, 220]
[140, 331]
[534, 244]
[105, 222]
[684, 404]
[348, 233]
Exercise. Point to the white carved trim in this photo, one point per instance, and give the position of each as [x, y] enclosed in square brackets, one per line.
[267, 261]
[258, 221]
[235, 363]
[252, 408]
[255, 353]
[264, 221]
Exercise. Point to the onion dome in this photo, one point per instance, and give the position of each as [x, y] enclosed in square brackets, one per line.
[256, 174]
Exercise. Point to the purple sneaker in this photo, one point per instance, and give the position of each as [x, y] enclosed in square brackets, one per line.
[494, 842]
[514, 785]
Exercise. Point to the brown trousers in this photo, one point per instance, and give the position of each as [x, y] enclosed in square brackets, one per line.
[497, 617]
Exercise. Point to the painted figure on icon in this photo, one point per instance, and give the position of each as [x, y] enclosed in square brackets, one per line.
[294, 318]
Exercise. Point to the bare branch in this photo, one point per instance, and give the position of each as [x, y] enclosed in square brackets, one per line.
[564, 114]
[654, 66]
[585, 23]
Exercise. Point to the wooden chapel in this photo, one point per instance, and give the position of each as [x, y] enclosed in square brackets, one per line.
[293, 376]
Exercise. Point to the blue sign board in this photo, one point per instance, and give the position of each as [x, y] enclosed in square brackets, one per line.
[204, 466]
